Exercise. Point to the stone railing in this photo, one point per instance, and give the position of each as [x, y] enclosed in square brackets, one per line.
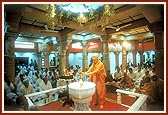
[139, 104]
[39, 98]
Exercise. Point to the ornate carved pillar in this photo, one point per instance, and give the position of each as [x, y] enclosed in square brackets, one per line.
[105, 52]
[63, 64]
[62, 59]
[46, 57]
[117, 58]
[134, 57]
[64, 42]
[9, 57]
[141, 57]
[85, 62]
[39, 60]
[124, 58]
[159, 59]
[134, 52]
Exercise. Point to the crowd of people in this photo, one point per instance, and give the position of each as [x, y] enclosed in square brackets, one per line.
[29, 80]
[141, 79]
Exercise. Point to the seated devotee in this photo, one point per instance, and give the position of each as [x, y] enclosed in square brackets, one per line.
[126, 82]
[45, 85]
[144, 68]
[22, 103]
[23, 69]
[27, 88]
[28, 76]
[139, 73]
[34, 80]
[126, 69]
[25, 105]
[50, 75]
[7, 100]
[158, 87]
[147, 89]
[117, 74]
[131, 74]
[108, 80]
[53, 82]
[41, 71]
[9, 88]
[46, 72]
[152, 72]
[139, 76]
[17, 78]
[144, 76]
[38, 82]
[19, 84]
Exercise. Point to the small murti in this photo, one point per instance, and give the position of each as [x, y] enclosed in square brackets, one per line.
[81, 93]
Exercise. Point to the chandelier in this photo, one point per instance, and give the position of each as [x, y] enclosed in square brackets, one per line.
[92, 14]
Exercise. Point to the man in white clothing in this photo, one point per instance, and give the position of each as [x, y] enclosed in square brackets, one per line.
[27, 89]
[117, 75]
[19, 84]
[139, 73]
[132, 75]
[45, 85]
[39, 82]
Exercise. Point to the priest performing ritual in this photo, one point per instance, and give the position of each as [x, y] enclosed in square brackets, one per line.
[97, 75]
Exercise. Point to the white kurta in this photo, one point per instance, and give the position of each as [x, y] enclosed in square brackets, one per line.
[44, 87]
[28, 90]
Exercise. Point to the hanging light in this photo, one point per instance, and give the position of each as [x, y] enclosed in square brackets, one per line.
[82, 18]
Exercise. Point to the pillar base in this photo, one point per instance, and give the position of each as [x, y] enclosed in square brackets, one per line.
[82, 104]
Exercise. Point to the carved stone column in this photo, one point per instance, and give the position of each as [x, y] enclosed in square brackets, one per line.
[134, 57]
[39, 60]
[64, 42]
[62, 65]
[85, 62]
[159, 60]
[124, 58]
[9, 57]
[62, 59]
[105, 52]
[117, 58]
[141, 57]
[46, 57]
[134, 52]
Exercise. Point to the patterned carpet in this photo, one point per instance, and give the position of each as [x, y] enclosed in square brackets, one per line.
[110, 104]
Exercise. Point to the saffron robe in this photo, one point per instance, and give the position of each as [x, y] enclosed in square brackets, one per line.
[98, 77]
